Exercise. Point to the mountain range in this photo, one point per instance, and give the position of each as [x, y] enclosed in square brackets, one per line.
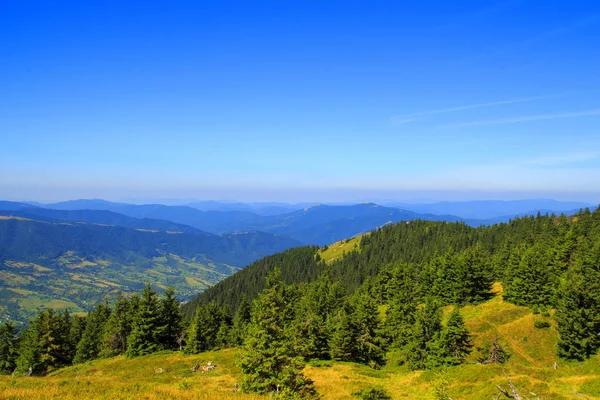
[72, 254]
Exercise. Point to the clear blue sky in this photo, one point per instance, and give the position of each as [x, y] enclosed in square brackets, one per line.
[300, 100]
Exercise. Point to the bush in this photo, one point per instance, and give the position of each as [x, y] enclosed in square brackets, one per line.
[541, 324]
[372, 393]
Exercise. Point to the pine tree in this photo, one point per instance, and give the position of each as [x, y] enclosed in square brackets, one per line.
[118, 328]
[343, 340]
[202, 332]
[370, 347]
[428, 324]
[578, 313]
[9, 348]
[45, 344]
[170, 325]
[90, 344]
[452, 345]
[145, 325]
[270, 359]
[240, 323]
[475, 283]
[404, 297]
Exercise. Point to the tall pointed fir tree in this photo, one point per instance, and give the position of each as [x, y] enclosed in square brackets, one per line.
[342, 345]
[145, 325]
[578, 313]
[118, 328]
[240, 323]
[170, 324]
[452, 345]
[402, 305]
[370, 346]
[270, 360]
[475, 276]
[9, 348]
[202, 332]
[45, 344]
[90, 344]
[428, 324]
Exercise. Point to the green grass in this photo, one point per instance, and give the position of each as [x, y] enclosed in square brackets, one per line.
[530, 368]
[336, 250]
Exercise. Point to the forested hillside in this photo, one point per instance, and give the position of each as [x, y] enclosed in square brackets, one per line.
[552, 241]
[74, 264]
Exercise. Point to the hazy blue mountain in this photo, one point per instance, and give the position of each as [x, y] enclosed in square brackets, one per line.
[101, 217]
[13, 205]
[260, 208]
[486, 209]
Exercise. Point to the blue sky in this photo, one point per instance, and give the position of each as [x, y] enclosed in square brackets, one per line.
[300, 100]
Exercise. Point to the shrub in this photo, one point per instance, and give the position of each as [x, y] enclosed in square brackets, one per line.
[541, 324]
[372, 393]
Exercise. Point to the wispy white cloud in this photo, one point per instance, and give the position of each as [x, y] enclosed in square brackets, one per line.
[525, 118]
[563, 159]
[413, 117]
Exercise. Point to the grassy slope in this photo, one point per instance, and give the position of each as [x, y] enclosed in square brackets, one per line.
[530, 368]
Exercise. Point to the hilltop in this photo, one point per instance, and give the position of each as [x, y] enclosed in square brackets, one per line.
[530, 368]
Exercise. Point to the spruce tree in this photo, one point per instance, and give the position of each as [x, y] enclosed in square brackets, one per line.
[404, 297]
[9, 348]
[343, 340]
[118, 328]
[90, 344]
[370, 347]
[240, 323]
[475, 283]
[578, 313]
[270, 359]
[428, 324]
[145, 325]
[170, 325]
[202, 332]
[44, 345]
[452, 345]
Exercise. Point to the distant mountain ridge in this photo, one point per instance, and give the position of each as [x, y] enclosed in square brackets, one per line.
[495, 209]
[321, 224]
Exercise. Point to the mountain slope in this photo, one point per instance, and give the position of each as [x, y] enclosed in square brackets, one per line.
[60, 264]
[530, 368]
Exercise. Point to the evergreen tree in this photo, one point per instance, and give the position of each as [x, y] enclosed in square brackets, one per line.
[452, 345]
[240, 323]
[9, 348]
[145, 325]
[343, 340]
[76, 333]
[428, 324]
[475, 283]
[320, 300]
[530, 281]
[270, 359]
[578, 313]
[118, 328]
[44, 345]
[400, 316]
[170, 326]
[90, 344]
[370, 347]
[204, 328]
